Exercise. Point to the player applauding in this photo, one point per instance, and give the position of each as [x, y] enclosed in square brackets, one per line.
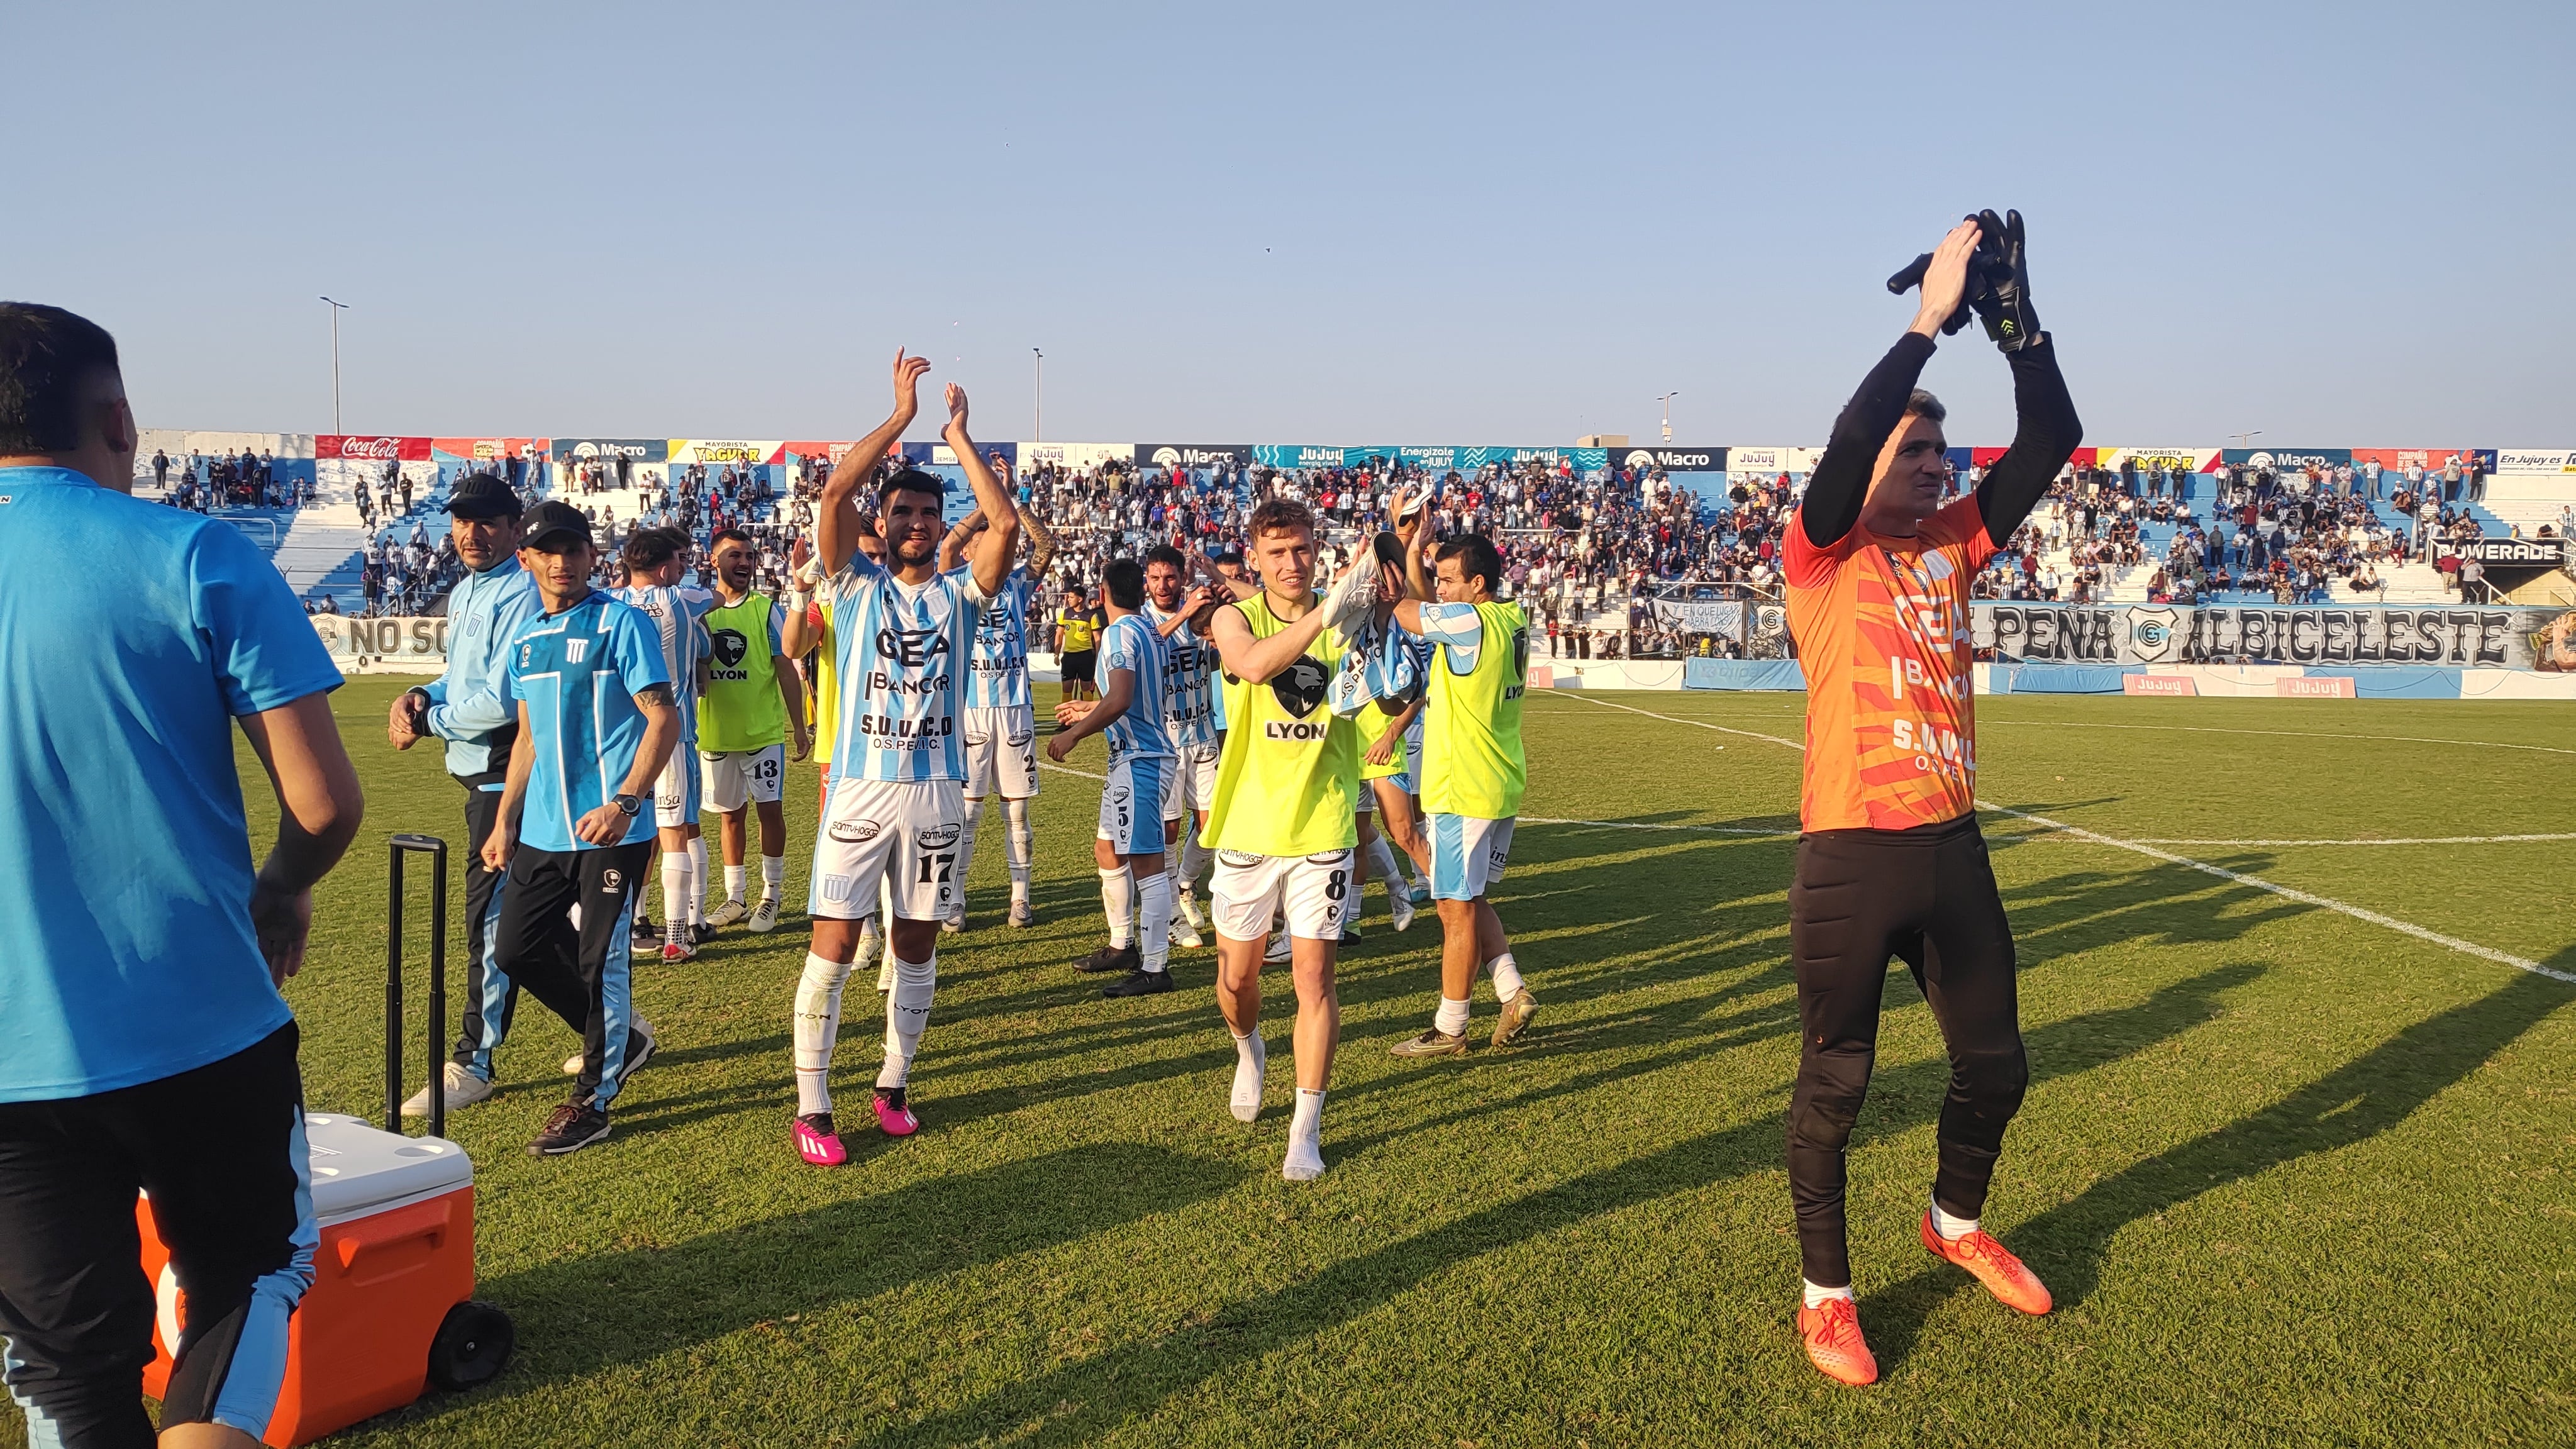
[1890, 861]
[902, 634]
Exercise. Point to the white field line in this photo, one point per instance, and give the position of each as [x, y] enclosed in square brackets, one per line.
[2295, 734]
[2408, 840]
[2358, 913]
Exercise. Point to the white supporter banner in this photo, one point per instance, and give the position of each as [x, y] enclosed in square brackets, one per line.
[2535, 460]
[414, 644]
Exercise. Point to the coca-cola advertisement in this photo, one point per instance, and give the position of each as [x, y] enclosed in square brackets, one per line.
[368, 449]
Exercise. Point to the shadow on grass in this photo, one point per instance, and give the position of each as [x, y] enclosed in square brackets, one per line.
[2353, 1103]
[579, 1316]
[1080, 1401]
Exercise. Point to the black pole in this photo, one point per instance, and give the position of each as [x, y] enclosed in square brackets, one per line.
[393, 988]
[438, 995]
[436, 850]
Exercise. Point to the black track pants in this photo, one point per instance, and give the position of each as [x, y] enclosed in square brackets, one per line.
[1926, 895]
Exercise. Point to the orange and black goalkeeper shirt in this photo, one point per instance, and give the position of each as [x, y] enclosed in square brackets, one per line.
[1882, 630]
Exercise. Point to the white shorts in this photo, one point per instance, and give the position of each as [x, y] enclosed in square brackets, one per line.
[1193, 782]
[675, 793]
[1467, 855]
[905, 833]
[1131, 804]
[738, 777]
[1246, 890]
[1001, 751]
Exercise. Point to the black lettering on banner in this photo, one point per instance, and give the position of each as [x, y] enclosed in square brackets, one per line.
[2043, 638]
[2302, 650]
[2010, 630]
[2493, 630]
[2461, 624]
[2336, 646]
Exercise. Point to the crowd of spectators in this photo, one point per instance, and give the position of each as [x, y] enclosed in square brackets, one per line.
[202, 484]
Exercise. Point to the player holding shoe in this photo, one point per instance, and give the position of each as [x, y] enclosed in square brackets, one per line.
[656, 559]
[1890, 860]
[902, 635]
[1281, 820]
[1129, 847]
[1001, 719]
[745, 715]
[1473, 772]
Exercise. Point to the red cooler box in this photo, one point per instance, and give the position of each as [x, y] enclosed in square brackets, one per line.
[390, 1309]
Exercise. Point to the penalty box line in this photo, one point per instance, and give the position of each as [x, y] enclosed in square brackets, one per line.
[2358, 913]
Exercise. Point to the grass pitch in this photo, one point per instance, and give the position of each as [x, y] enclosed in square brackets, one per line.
[2295, 1177]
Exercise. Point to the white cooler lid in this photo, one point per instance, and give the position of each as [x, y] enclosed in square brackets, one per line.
[358, 1168]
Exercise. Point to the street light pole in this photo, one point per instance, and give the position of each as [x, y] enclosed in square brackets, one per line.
[336, 309]
[1667, 401]
[1040, 430]
[2243, 439]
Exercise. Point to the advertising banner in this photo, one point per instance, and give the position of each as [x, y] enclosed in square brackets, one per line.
[1671, 458]
[411, 640]
[1771, 460]
[2401, 459]
[2172, 460]
[1075, 457]
[830, 450]
[1192, 455]
[2285, 460]
[371, 450]
[2547, 553]
[1297, 455]
[2532, 460]
[1435, 459]
[718, 452]
[485, 450]
[1702, 616]
[2495, 638]
[943, 456]
[1373, 455]
[593, 450]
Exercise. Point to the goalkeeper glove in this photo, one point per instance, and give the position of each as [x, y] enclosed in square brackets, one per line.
[2002, 289]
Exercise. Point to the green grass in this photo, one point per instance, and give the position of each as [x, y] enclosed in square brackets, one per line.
[2294, 1177]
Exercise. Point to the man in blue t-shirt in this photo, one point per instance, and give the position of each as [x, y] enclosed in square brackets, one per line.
[597, 722]
[143, 1042]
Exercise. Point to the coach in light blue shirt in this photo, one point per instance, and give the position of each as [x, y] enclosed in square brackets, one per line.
[143, 1042]
[465, 707]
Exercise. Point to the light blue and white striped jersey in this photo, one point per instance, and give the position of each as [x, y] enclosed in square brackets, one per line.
[678, 613]
[900, 663]
[998, 674]
[579, 672]
[1130, 643]
[1386, 665]
[1189, 698]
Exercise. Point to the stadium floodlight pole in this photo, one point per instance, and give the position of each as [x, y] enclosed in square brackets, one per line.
[2245, 439]
[1667, 401]
[1038, 432]
[336, 309]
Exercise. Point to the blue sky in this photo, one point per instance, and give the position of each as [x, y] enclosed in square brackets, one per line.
[1315, 222]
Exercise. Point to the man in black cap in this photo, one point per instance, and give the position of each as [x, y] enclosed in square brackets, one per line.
[466, 708]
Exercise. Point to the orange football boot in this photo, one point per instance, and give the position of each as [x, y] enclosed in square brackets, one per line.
[1992, 1264]
[1834, 1344]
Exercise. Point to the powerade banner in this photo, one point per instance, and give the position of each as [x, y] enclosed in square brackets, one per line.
[1192, 455]
[607, 450]
[1671, 459]
[2151, 634]
[2545, 553]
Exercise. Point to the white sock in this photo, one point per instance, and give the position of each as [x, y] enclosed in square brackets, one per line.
[818, 1026]
[907, 1012]
[1819, 1297]
[1451, 1018]
[697, 879]
[1507, 976]
[1194, 856]
[675, 889]
[1948, 1226]
[1154, 921]
[1022, 845]
[966, 846]
[1305, 1160]
[1381, 863]
[1251, 1059]
[773, 877]
[1118, 903]
[733, 883]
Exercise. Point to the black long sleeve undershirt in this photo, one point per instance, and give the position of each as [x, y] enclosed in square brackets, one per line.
[2045, 436]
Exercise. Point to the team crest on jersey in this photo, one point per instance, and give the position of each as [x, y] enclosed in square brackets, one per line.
[856, 832]
[612, 881]
[730, 647]
[1300, 687]
[938, 837]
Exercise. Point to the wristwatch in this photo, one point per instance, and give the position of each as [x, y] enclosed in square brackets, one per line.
[627, 805]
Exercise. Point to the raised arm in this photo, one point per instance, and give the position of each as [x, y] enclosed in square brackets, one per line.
[836, 515]
[991, 556]
[1041, 544]
[1239, 590]
[952, 544]
[1840, 484]
[2046, 431]
[1258, 659]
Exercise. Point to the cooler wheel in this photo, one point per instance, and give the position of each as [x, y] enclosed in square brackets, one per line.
[472, 1344]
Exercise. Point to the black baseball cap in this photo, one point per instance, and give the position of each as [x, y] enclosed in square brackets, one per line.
[480, 495]
[553, 521]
